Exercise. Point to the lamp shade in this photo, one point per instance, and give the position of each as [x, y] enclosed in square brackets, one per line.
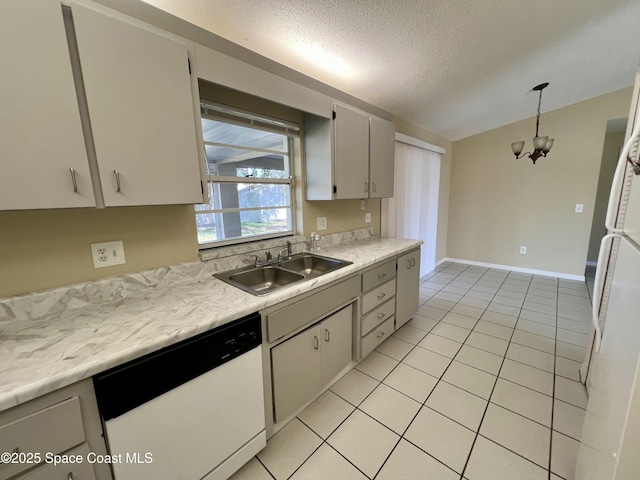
[539, 142]
[548, 145]
[517, 147]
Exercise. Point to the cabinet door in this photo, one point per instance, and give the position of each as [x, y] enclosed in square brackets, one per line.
[65, 471]
[408, 283]
[336, 343]
[351, 153]
[296, 367]
[382, 146]
[41, 137]
[138, 90]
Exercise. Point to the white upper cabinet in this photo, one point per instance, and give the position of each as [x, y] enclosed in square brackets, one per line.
[351, 156]
[141, 109]
[42, 150]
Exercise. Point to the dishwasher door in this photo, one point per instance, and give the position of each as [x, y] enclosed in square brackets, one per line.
[206, 428]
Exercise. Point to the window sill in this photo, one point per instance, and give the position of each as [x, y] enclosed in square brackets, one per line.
[250, 247]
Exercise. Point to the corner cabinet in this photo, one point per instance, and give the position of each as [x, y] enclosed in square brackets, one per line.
[408, 284]
[349, 156]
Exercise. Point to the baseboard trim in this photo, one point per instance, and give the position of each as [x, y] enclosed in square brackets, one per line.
[440, 262]
[532, 271]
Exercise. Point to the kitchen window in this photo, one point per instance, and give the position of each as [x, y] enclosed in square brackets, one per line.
[249, 176]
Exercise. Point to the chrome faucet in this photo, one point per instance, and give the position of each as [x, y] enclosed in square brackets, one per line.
[287, 249]
[267, 255]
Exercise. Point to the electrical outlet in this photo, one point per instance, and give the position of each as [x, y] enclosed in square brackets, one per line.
[523, 250]
[107, 254]
[579, 208]
[361, 204]
[321, 223]
[367, 218]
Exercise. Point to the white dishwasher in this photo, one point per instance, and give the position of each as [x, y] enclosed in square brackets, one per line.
[191, 411]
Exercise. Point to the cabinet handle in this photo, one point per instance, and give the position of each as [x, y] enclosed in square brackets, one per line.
[327, 335]
[413, 262]
[316, 343]
[408, 264]
[366, 186]
[374, 186]
[70, 476]
[382, 315]
[73, 179]
[382, 275]
[117, 173]
[382, 295]
[380, 334]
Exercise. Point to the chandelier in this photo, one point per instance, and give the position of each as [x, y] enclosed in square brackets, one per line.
[541, 145]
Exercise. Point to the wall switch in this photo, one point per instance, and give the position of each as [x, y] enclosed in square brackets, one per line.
[321, 223]
[579, 208]
[367, 218]
[523, 250]
[361, 204]
[107, 254]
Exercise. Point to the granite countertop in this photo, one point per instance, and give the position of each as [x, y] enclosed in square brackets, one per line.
[43, 354]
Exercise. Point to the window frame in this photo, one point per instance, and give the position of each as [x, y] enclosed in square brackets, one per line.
[235, 116]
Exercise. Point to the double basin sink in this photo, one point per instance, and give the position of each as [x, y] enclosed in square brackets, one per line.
[260, 280]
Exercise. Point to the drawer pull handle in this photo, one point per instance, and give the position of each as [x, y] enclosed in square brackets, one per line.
[413, 262]
[316, 343]
[70, 476]
[382, 295]
[117, 174]
[382, 315]
[408, 264]
[374, 186]
[382, 275]
[366, 186]
[73, 179]
[380, 334]
[327, 335]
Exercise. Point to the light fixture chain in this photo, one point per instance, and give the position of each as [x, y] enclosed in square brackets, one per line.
[538, 116]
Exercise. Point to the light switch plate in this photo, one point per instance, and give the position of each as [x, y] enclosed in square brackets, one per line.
[579, 207]
[108, 254]
[321, 223]
[523, 250]
[361, 204]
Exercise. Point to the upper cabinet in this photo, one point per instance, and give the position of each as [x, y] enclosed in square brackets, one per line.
[138, 89]
[96, 107]
[349, 156]
[43, 160]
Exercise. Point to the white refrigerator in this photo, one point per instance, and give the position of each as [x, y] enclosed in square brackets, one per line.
[610, 443]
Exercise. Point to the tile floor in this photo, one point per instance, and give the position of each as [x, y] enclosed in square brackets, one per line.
[480, 385]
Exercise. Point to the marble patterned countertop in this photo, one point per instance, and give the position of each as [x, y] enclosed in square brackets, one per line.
[42, 353]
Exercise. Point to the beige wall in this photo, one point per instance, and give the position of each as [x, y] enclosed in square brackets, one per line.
[499, 203]
[612, 144]
[445, 179]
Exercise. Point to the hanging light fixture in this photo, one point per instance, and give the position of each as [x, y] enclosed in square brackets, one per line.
[541, 145]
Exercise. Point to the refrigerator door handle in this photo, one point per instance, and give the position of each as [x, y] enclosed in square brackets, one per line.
[597, 287]
[616, 185]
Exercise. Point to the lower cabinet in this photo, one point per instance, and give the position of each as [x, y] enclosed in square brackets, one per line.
[78, 469]
[407, 287]
[302, 365]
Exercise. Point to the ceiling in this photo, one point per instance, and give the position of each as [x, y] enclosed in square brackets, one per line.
[455, 68]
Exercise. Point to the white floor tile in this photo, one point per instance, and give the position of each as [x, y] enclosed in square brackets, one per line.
[541, 299]
[440, 304]
[327, 463]
[377, 365]
[574, 326]
[499, 318]
[457, 290]
[252, 470]
[519, 434]
[428, 292]
[427, 361]
[511, 294]
[459, 320]
[572, 352]
[452, 332]
[511, 302]
[395, 348]
[442, 438]
[487, 343]
[364, 442]
[391, 408]
[472, 312]
[480, 359]
[534, 341]
[538, 317]
[568, 419]
[452, 297]
[408, 462]
[529, 403]
[571, 392]
[514, 287]
[574, 338]
[564, 453]
[421, 323]
[531, 356]
[505, 309]
[490, 461]
[536, 328]
[527, 376]
[483, 289]
[440, 345]
[411, 381]
[354, 386]
[288, 449]
[429, 311]
[325, 414]
[494, 330]
[457, 404]
[575, 307]
[568, 368]
[470, 379]
[410, 334]
[473, 302]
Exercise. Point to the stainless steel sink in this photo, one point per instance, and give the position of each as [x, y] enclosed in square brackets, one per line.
[260, 280]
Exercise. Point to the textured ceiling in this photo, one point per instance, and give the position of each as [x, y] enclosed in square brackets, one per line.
[455, 68]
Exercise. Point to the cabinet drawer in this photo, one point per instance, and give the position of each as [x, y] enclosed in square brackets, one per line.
[378, 296]
[378, 276]
[65, 471]
[312, 308]
[53, 429]
[376, 337]
[376, 317]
